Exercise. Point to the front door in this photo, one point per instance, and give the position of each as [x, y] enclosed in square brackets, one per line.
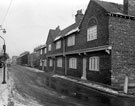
[84, 69]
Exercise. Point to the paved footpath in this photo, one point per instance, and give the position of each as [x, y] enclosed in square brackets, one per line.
[4, 89]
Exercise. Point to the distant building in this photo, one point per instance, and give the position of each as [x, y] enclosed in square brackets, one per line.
[9, 61]
[14, 60]
[23, 58]
[41, 57]
[32, 59]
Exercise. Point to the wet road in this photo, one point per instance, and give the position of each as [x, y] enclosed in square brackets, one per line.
[29, 90]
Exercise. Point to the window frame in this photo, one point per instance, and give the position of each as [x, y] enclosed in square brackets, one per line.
[58, 44]
[45, 62]
[50, 62]
[41, 62]
[94, 63]
[92, 33]
[45, 51]
[49, 47]
[40, 51]
[73, 63]
[71, 40]
[59, 62]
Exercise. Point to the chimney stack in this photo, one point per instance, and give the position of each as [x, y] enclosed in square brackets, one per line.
[78, 16]
[58, 28]
[125, 6]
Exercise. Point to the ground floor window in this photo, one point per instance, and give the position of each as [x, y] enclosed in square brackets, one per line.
[59, 62]
[94, 63]
[45, 62]
[40, 62]
[73, 63]
[50, 62]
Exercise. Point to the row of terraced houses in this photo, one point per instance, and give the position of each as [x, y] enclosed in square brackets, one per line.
[99, 46]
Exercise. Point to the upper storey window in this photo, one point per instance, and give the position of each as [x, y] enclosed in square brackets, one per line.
[45, 50]
[41, 51]
[58, 44]
[92, 30]
[49, 47]
[71, 40]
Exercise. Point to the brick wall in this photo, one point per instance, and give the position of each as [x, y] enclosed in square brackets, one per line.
[60, 70]
[104, 74]
[132, 7]
[75, 72]
[99, 14]
[122, 39]
[50, 69]
[60, 50]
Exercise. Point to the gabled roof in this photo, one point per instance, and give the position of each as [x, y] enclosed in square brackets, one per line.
[109, 6]
[67, 31]
[117, 9]
[73, 31]
[54, 33]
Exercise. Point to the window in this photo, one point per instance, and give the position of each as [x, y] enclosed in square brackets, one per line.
[41, 51]
[50, 62]
[73, 63]
[45, 50]
[94, 63]
[45, 62]
[40, 62]
[49, 47]
[92, 33]
[58, 44]
[71, 40]
[59, 62]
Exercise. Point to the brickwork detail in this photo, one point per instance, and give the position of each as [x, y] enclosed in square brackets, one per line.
[122, 39]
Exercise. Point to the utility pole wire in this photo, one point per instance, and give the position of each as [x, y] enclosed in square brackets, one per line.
[6, 13]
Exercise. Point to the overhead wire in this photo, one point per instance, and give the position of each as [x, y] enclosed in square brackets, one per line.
[5, 16]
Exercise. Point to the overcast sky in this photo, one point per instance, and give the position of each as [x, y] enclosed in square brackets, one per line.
[28, 21]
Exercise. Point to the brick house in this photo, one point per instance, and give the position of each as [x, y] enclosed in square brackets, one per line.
[99, 46]
[50, 47]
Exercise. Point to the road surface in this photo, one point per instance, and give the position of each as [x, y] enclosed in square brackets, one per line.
[28, 90]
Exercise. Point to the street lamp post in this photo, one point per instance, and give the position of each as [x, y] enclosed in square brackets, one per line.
[4, 54]
[4, 68]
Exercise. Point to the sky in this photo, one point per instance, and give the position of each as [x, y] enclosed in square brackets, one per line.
[28, 21]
